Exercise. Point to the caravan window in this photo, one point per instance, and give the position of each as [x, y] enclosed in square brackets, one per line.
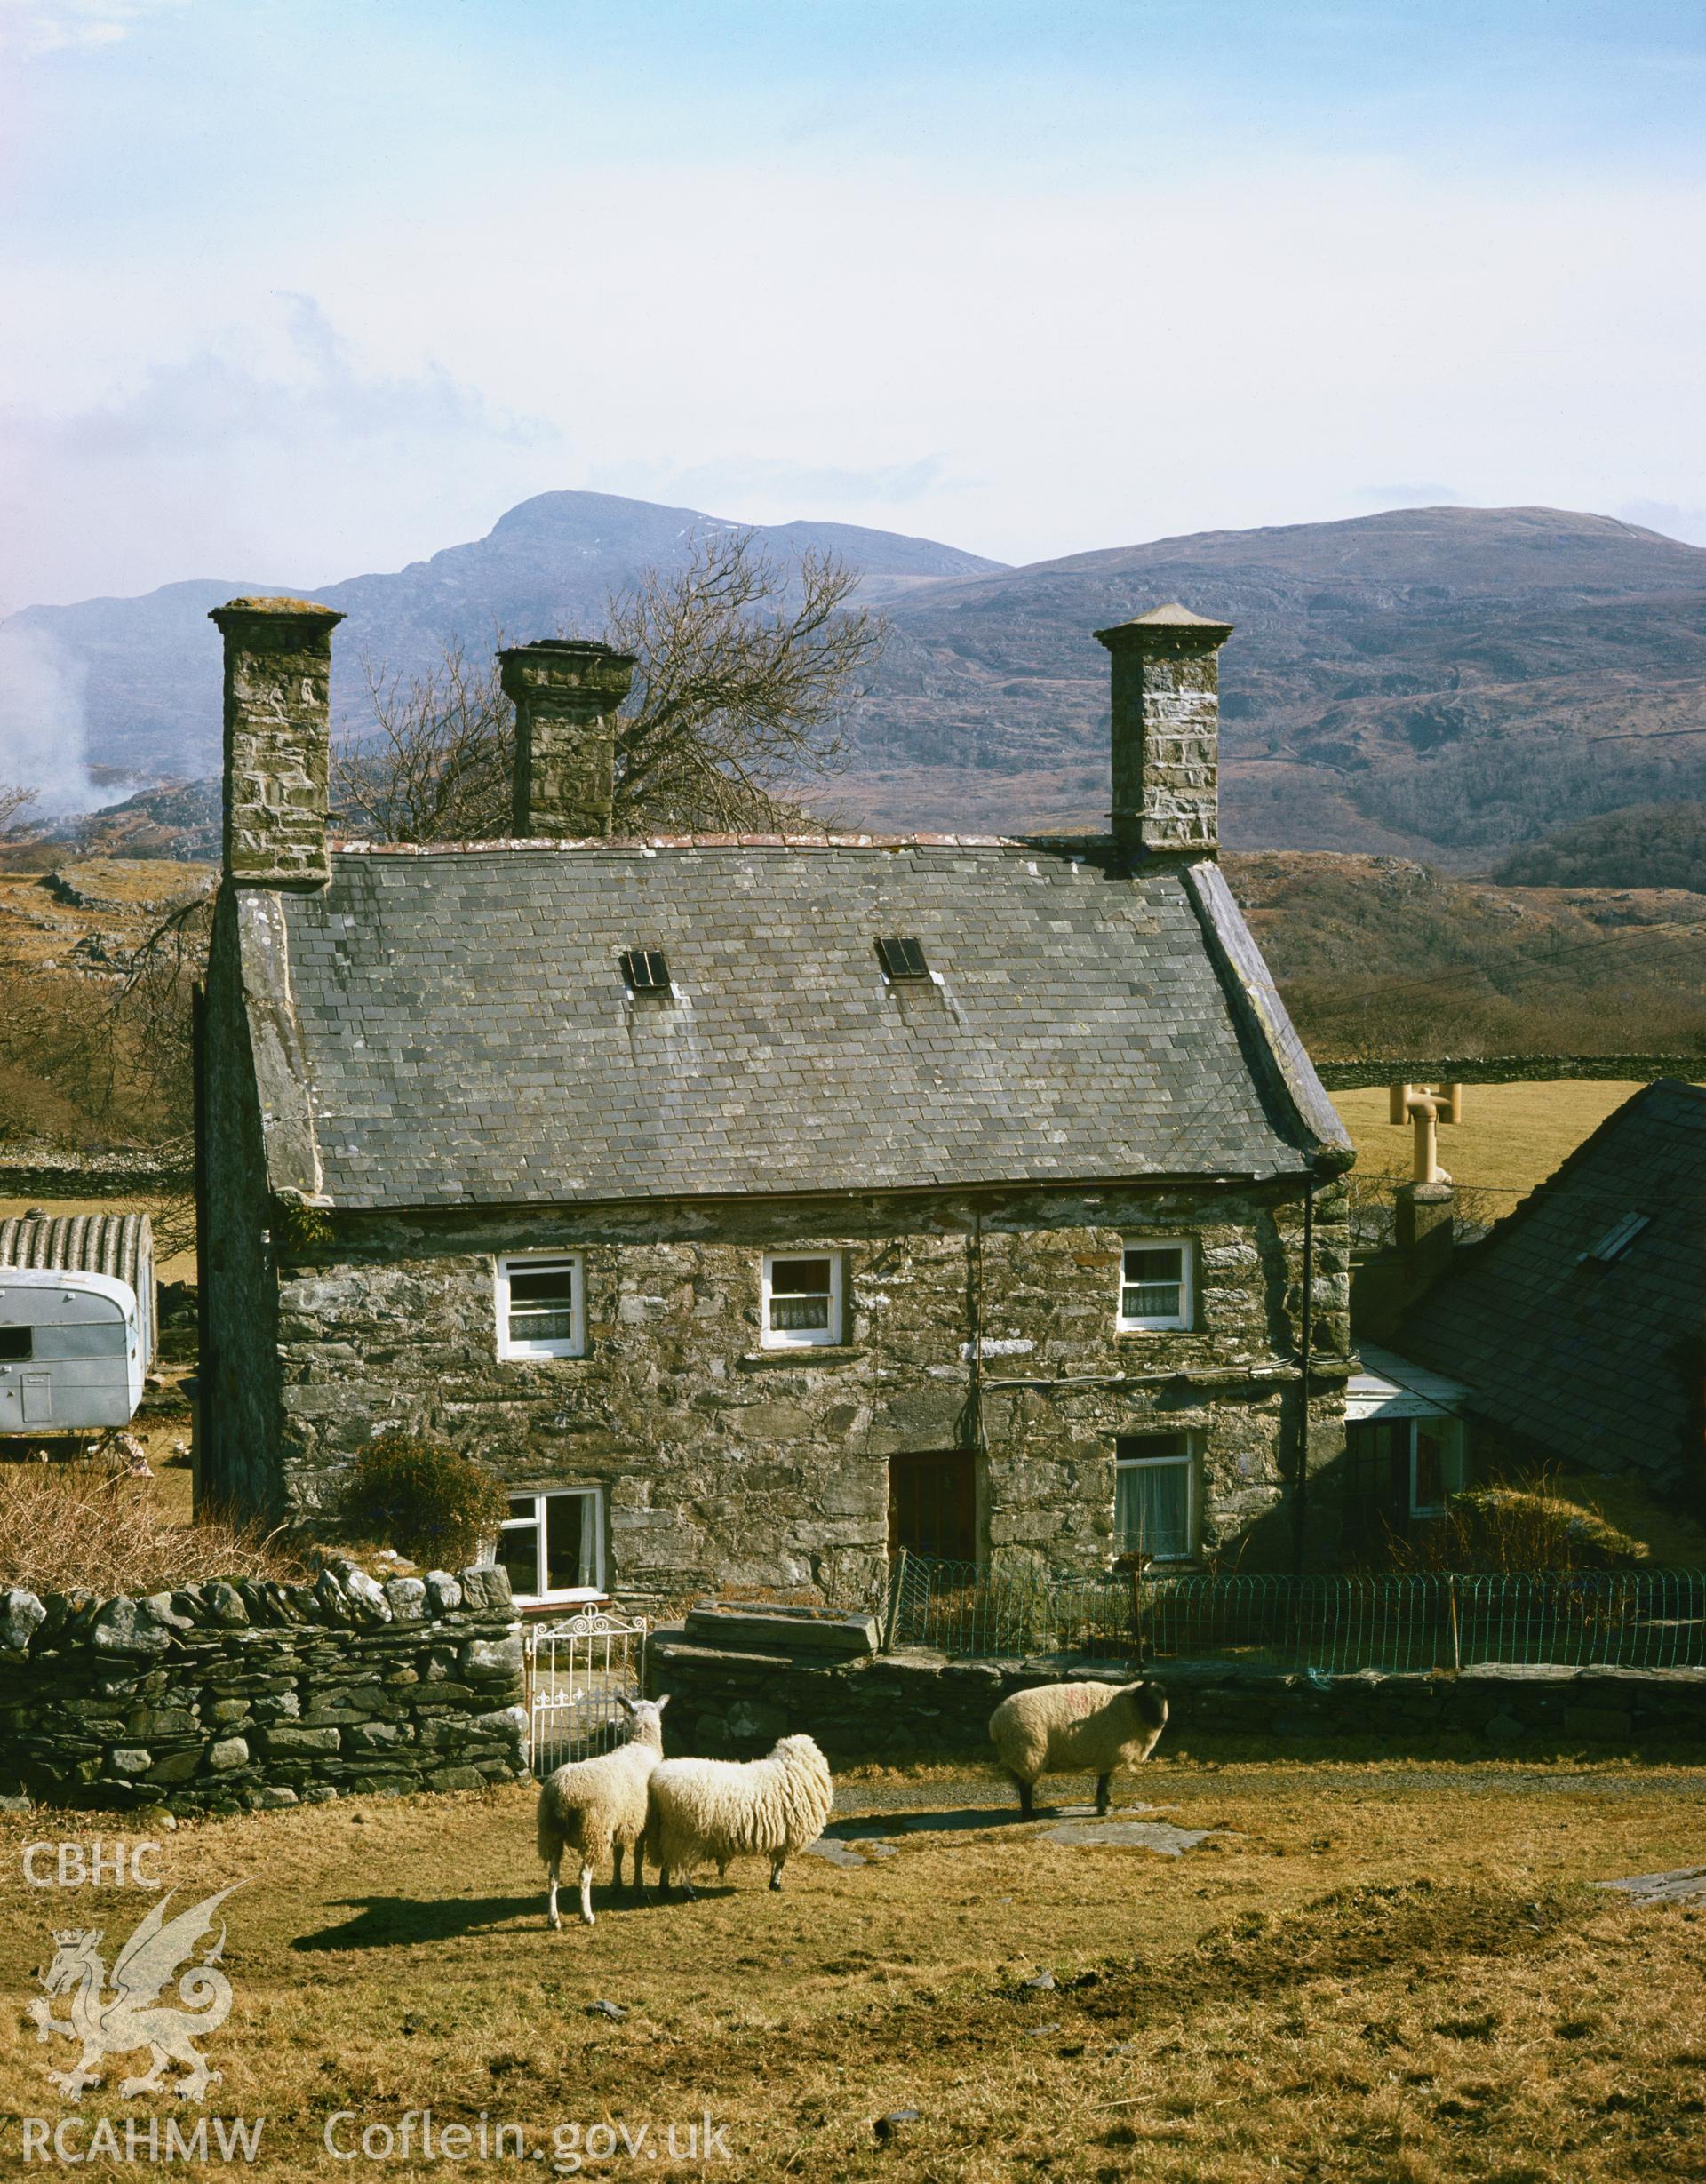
[105, 1339]
[14, 1342]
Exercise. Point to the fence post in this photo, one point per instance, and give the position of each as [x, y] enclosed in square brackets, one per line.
[1457, 1640]
[894, 1602]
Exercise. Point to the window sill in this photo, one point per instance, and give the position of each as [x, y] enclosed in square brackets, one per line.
[545, 1357]
[1148, 1334]
[807, 1353]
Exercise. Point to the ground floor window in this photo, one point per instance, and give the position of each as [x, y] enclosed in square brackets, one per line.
[1155, 1497]
[551, 1543]
[1399, 1471]
[933, 1505]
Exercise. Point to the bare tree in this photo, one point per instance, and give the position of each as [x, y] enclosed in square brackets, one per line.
[14, 800]
[747, 669]
[745, 673]
[436, 765]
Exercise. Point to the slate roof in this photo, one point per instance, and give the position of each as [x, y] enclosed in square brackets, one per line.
[457, 1029]
[1598, 1360]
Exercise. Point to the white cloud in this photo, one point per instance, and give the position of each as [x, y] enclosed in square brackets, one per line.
[278, 452]
[57, 26]
[1667, 516]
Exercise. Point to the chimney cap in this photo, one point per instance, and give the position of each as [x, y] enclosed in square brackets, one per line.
[581, 647]
[285, 607]
[1172, 623]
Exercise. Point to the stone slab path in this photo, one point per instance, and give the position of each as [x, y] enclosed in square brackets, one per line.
[1686, 1884]
[1128, 1828]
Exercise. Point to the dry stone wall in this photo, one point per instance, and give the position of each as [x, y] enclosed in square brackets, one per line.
[915, 1705]
[726, 1464]
[234, 1696]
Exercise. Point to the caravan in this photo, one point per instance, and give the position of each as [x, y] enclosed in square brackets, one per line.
[70, 1350]
[76, 1322]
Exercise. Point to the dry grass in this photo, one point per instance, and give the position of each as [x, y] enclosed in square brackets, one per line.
[89, 1526]
[1378, 1973]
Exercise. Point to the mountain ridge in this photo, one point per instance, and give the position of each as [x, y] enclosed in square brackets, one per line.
[1436, 681]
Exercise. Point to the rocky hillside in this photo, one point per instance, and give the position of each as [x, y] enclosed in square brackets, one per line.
[1446, 683]
[1432, 680]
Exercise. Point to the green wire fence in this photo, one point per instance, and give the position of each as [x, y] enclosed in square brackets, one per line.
[1636, 1619]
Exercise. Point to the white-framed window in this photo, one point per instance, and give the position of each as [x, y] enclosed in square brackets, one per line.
[541, 1305]
[802, 1300]
[1155, 1284]
[1155, 1497]
[551, 1543]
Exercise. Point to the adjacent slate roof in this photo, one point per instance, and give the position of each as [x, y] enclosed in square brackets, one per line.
[453, 1026]
[1598, 1360]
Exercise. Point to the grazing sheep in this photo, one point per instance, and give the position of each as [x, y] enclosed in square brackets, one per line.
[599, 1805]
[1082, 1728]
[723, 1809]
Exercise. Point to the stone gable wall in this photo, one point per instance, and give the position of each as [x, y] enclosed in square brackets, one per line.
[229, 1697]
[724, 1464]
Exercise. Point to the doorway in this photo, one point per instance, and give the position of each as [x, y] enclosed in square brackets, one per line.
[933, 1505]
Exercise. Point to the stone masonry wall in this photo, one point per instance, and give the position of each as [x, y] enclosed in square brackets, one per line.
[725, 1464]
[229, 1697]
[917, 1705]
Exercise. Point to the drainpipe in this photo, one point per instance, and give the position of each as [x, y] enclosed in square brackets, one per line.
[1306, 1331]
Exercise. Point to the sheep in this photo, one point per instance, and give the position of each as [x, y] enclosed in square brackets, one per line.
[723, 1809]
[599, 1805]
[1081, 1727]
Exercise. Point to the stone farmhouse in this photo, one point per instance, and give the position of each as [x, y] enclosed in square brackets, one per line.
[757, 1207]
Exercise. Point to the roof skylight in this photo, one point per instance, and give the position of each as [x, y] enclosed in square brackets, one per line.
[903, 959]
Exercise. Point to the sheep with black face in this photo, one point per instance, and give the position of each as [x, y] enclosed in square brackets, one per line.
[1078, 1728]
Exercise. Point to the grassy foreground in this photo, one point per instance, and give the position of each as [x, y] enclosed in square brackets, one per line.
[1390, 1972]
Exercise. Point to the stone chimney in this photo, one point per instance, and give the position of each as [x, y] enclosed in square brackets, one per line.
[1166, 732]
[277, 738]
[567, 691]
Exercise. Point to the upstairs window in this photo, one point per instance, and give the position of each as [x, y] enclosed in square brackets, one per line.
[552, 1544]
[902, 958]
[541, 1308]
[1155, 1497]
[646, 970]
[1155, 1285]
[803, 1302]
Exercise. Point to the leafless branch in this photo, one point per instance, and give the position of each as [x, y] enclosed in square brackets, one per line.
[747, 669]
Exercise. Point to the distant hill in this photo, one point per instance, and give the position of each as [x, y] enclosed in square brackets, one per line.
[150, 666]
[1424, 680]
[1446, 684]
[1644, 846]
[1379, 955]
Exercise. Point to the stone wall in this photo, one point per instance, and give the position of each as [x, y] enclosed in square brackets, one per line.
[726, 1464]
[909, 1706]
[237, 1450]
[232, 1696]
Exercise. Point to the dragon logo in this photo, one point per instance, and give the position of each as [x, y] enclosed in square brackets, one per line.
[133, 2015]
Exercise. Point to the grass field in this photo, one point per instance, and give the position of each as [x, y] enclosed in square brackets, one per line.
[1381, 1972]
[1510, 1139]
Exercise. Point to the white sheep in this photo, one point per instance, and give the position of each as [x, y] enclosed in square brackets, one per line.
[598, 1806]
[718, 1810]
[1081, 1728]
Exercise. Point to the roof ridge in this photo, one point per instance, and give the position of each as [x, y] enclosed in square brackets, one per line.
[820, 840]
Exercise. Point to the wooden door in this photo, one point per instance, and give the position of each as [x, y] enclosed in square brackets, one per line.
[933, 1505]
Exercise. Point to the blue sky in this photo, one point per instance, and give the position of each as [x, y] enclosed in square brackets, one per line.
[295, 289]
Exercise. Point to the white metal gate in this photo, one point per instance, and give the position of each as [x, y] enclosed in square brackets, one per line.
[577, 1672]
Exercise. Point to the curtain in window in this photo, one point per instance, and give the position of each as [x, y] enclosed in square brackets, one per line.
[1152, 1509]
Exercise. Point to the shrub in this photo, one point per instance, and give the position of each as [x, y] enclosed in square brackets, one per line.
[1525, 1527]
[85, 1526]
[424, 1498]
